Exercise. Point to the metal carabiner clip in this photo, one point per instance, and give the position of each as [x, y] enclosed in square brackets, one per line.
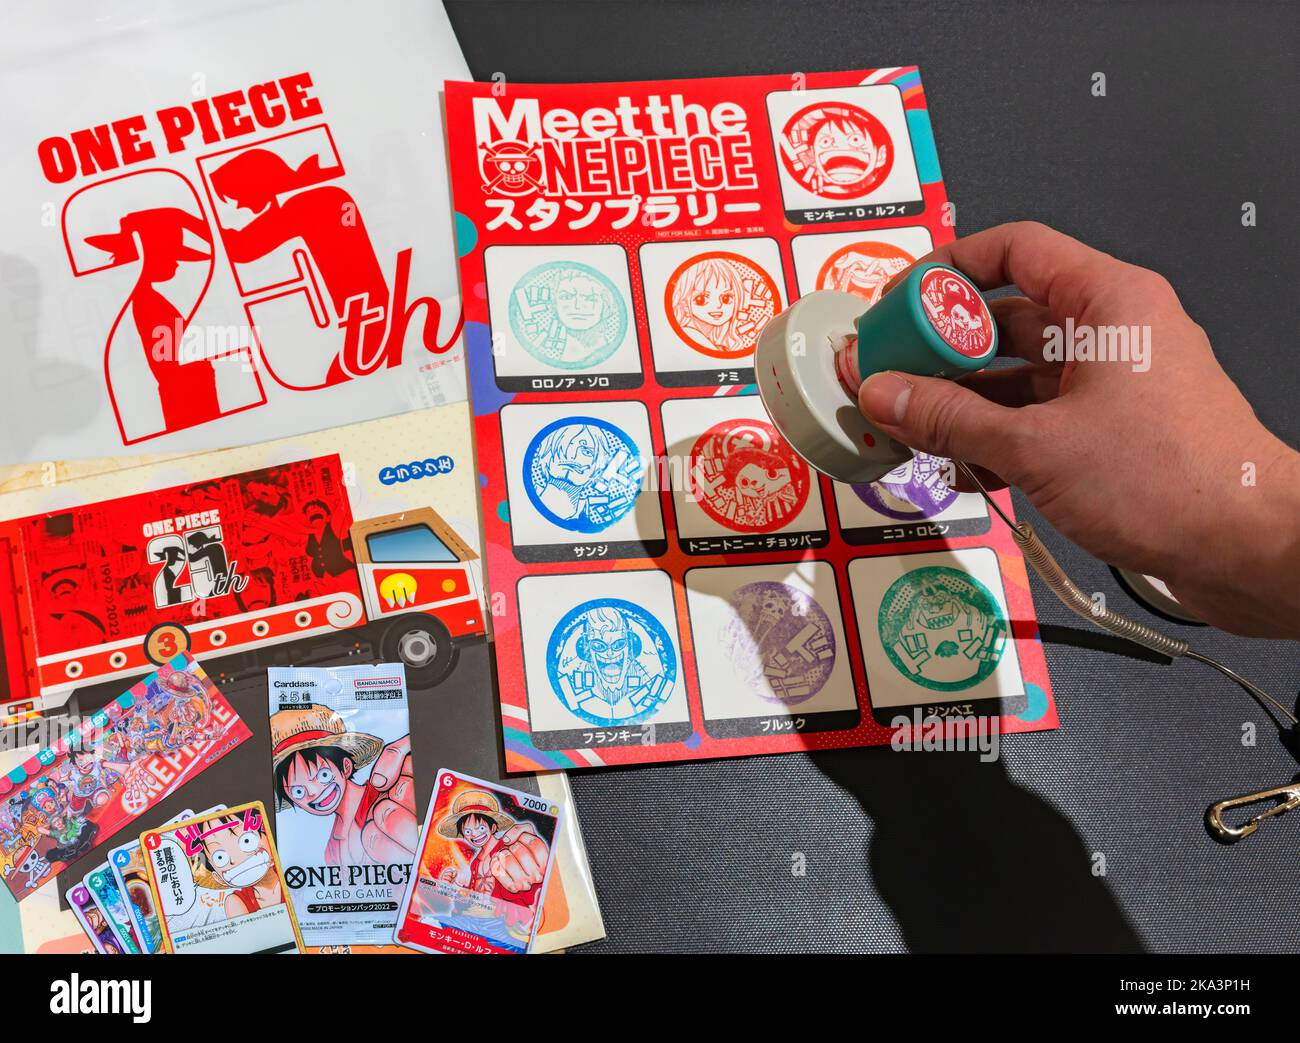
[1287, 797]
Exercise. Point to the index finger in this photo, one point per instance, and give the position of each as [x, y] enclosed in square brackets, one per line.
[1050, 267]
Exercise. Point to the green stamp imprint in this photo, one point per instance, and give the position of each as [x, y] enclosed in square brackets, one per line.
[942, 628]
[567, 315]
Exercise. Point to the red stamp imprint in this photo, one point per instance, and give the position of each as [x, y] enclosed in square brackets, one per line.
[957, 312]
[745, 477]
[837, 150]
[863, 268]
[719, 302]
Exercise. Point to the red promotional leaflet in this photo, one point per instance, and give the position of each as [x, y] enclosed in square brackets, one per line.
[668, 579]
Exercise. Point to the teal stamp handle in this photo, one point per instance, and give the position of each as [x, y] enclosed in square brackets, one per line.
[935, 323]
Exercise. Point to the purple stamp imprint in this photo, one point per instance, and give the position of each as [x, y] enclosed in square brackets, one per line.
[911, 491]
[780, 642]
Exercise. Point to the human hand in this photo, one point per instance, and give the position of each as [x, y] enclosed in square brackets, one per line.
[392, 831]
[1163, 470]
[519, 861]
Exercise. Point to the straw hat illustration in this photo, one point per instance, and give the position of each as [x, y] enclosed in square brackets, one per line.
[162, 229]
[473, 802]
[311, 726]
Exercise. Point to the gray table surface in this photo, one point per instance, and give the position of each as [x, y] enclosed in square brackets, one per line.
[1090, 837]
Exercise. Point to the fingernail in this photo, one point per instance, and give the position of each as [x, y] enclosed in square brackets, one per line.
[883, 398]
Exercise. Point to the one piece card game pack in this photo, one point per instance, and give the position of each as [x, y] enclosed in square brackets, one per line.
[120, 762]
[218, 884]
[486, 854]
[345, 816]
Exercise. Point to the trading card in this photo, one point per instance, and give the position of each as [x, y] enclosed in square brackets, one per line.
[127, 864]
[108, 898]
[775, 660]
[345, 811]
[936, 635]
[484, 863]
[117, 765]
[218, 885]
[92, 921]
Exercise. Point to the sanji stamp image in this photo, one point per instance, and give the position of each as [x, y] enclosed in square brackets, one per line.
[582, 474]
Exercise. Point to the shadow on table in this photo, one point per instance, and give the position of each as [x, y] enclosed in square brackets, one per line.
[968, 861]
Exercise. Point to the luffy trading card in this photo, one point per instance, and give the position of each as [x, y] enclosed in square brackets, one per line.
[344, 798]
[108, 898]
[484, 862]
[92, 920]
[127, 864]
[218, 886]
[118, 764]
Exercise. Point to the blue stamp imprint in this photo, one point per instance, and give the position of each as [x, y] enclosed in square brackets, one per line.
[567, 315]
[611, 662]
[780, 641]
[582, 474]
[913, 490]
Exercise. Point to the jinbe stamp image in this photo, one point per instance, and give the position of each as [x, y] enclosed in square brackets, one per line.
[780, 642]
[611, 663]
[719, 302]
[957, 312]
[583, 474]
[568, 315]
[942, 629]
[746, 478]
[836, 150]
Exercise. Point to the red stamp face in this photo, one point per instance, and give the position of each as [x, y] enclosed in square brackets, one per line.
[836, 150]
[746, 478]
[863, 268]
[957, 312]
[719, 302]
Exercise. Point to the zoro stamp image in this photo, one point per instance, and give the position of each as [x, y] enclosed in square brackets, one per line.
[942, 628]
[611, 662]
[780, 642]
[583, 474]
[746, 477]
[719, 302]
[567, 315]
[836, 150]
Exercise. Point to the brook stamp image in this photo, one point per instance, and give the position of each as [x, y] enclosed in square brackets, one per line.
[911, 491]
[611, 663]
[568, 315]
[780, 642]
[746, 477]
[836, 150]
[719, 302]
[942, 628]
[582, 474]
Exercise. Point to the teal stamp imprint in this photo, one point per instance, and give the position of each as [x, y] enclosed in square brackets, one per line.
[942, 628]
[567, 315]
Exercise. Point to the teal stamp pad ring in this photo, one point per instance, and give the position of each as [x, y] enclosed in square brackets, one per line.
[567, 315]
[942, 628]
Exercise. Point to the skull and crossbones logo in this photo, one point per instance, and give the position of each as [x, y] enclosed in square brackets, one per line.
[512, 168]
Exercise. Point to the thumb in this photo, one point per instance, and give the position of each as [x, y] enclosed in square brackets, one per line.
[943, 418]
